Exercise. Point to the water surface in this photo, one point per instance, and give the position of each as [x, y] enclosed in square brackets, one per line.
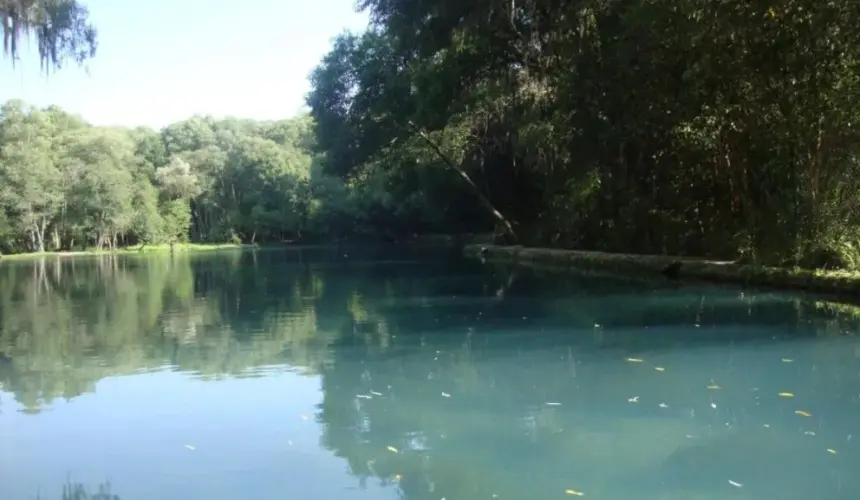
[384, 374]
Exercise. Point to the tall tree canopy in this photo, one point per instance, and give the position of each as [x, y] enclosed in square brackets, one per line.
[718, 128]
[721, 128]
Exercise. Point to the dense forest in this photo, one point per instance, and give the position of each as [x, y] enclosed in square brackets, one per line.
[65, 184]
[724, 128]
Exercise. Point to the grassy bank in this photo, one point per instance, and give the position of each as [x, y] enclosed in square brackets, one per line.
[429, 240]
[136, 249]
[682, 268]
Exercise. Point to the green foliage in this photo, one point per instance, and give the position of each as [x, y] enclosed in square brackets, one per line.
[61, 28]
[67, 185]
[721, 129]
[726, 129]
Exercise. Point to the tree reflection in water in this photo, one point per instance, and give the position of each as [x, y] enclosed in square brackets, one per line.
[408, 333]
[79, 491]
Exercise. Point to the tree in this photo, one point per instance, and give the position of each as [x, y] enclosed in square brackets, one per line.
[719, 129]
[65, 184]
[61, 28]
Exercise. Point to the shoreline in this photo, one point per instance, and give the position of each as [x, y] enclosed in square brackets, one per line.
[441, 240]
[683, 268]
[132, 250]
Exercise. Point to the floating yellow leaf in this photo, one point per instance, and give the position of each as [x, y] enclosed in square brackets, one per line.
[786, 394]
[659, 368]
[392, 449]
[634, 360]
[831, 451]
[803, 413]
[575, 493]
[713, 387]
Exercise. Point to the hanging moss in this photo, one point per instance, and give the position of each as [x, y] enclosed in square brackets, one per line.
[61, 28]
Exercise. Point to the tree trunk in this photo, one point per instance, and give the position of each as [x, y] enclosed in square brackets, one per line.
[39, 233]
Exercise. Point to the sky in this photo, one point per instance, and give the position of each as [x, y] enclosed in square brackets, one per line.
[177, 58]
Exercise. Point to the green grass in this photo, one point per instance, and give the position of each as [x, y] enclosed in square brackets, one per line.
[135, 249]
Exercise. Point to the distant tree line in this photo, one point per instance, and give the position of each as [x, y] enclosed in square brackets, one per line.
[65, 184]
[69, 185]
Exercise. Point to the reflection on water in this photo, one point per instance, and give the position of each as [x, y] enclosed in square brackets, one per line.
[381, 374]
[77, 491]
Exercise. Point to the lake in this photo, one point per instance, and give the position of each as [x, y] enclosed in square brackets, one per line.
[382, 373]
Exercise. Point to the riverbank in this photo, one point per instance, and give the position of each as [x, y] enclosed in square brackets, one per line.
[132, 250]
[429, 240]
[675, 268]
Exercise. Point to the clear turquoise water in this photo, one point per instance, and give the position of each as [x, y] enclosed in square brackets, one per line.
[381, 374]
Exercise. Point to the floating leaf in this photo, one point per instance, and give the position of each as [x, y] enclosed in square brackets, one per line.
[735, 484]
[553, 404]
[787, 360]
[803, 413]
[634, 360]
[575, 493]
[190, 447]
[786, 394]
[446, 395]
[713, 387]
[831, 451]
[659, 368]
[392, 449]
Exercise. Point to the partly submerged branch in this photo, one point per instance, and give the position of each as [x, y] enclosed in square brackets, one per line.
[465, 176]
